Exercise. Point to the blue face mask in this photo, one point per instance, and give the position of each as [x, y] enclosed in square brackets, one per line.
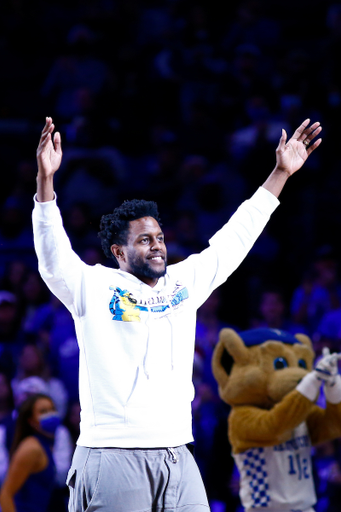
[49, 422]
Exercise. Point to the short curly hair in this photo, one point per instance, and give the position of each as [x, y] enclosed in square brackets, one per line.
[114, 226]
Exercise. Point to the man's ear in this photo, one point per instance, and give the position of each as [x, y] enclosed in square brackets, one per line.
[117, 252]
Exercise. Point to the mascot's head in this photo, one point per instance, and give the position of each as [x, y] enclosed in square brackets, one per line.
[260, 366]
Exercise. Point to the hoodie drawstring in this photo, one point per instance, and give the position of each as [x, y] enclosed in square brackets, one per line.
[170, 319]
[145, 359]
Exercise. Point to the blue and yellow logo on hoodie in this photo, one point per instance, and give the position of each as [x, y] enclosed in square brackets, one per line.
[124, 307]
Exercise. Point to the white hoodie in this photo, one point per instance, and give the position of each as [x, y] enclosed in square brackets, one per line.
[136, 342]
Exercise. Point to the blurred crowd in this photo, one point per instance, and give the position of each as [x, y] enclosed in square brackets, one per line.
[181, 102]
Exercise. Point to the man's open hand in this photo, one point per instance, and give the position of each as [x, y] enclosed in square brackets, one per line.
[49, 152]
[291, 154]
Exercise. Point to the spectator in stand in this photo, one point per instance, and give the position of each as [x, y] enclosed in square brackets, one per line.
[209, 324]
[76, 71]
[63, 447]
[94, 172]
[31, 474]
[15, 234]
[11, 337]
[327, 465]
[272, 313]
[32, 363]
[34, 294]
[329, 332]
[319, 292]
[24, 185]
[53, 329]
[14, 277]
[254, 140]
[80, 227]
[6, 423]
[253, 25]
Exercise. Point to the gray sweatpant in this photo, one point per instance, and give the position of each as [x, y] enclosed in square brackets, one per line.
[135, 480]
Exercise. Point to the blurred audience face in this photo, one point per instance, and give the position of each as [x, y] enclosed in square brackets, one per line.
[327, 271]
[8, 313]
[31, 361]
[34, 289]
[272, 307]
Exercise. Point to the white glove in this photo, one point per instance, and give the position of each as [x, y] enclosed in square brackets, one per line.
[327, 368]
[310, 386]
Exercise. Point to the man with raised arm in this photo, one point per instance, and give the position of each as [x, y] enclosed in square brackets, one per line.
[136, 328]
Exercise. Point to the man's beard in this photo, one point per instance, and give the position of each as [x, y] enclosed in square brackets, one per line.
[140, 268]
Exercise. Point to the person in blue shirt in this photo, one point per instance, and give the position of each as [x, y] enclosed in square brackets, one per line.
[30, 479]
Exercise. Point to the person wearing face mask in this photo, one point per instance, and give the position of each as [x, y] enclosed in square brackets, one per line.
[30, 479]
